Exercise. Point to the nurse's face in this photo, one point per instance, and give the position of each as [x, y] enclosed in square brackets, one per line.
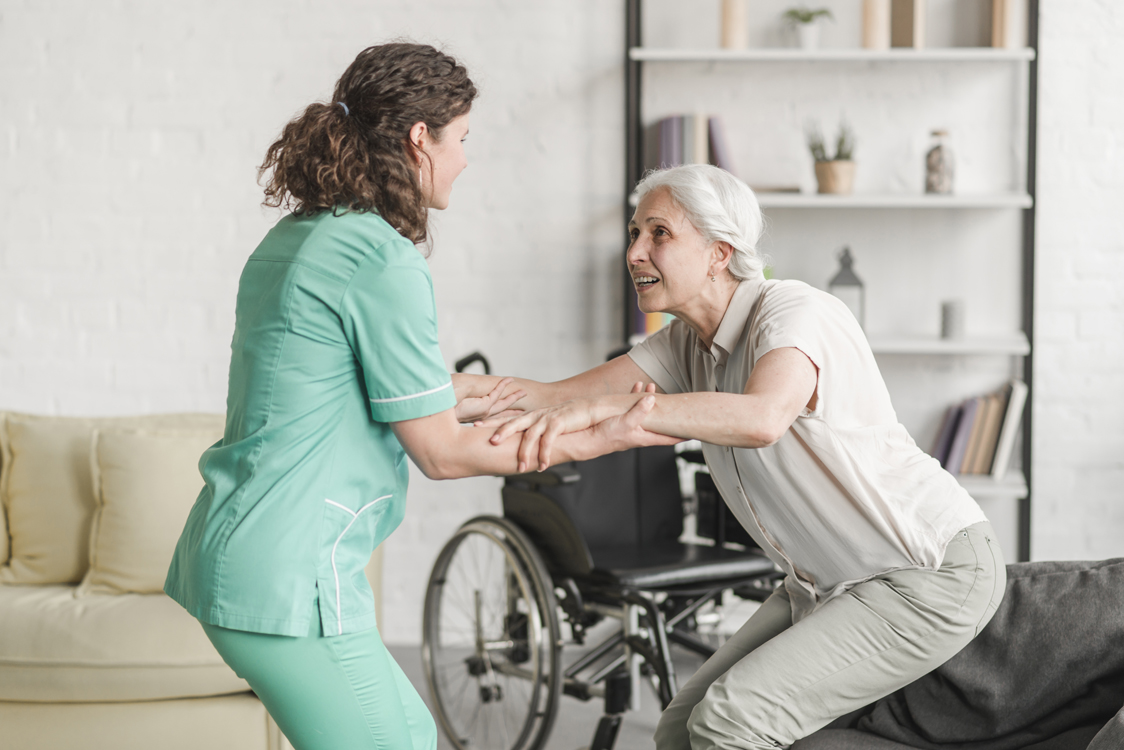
[442, 159]
[668, 259]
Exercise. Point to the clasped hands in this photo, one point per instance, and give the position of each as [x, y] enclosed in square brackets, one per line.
[607, 427]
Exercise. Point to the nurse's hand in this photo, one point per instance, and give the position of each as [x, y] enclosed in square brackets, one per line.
[494, 405]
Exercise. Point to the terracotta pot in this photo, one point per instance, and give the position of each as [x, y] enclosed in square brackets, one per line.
[836, 177]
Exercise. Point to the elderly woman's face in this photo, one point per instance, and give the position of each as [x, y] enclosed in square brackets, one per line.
[668, 259]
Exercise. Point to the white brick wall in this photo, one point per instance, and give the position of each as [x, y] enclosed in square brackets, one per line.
[130, 136]
[1078, 509]
[128, 203]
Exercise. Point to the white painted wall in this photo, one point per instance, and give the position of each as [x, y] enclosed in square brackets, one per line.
[128, 204]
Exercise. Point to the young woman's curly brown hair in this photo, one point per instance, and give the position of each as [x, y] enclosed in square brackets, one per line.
[357, 155]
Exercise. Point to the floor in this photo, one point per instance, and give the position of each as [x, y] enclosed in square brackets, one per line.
[577, 720]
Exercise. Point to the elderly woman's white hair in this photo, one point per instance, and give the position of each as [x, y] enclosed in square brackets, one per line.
[720, 206]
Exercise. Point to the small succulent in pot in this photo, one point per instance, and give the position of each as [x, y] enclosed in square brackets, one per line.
[807, 15]
[834, 174]
[804, 19]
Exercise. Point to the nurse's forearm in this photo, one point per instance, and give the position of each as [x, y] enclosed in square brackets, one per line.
[473, 455]
[444, 449]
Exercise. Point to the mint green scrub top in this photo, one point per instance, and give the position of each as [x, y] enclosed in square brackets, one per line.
[335, 338]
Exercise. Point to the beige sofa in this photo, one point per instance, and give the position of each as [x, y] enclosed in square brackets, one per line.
[92, 654]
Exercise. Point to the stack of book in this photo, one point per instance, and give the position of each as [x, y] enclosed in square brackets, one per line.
[649, 323]
[978, 435]
[692, 139]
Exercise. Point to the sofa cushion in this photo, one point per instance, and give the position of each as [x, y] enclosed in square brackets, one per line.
[47, 494]
[144, 484]
[230, 722]
[1046, 673]
[123, 647]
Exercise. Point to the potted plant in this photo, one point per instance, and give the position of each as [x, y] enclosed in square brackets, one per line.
[804, 21]
[834, 174]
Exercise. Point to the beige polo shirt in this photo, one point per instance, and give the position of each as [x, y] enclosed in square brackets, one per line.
[845, 494]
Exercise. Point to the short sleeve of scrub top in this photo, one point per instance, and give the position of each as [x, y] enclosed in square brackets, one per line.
[398, 353]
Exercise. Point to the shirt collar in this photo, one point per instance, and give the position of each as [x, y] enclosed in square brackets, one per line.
[735, 319]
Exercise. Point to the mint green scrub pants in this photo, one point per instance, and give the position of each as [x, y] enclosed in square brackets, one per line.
[345, 692]
[773, 682]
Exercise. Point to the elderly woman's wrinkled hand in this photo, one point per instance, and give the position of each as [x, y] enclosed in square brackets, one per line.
[626, 430]
[541, 427]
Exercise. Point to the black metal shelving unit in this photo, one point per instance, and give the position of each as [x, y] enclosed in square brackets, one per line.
[634, 166]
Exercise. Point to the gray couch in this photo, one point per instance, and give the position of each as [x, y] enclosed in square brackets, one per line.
[1046, 674]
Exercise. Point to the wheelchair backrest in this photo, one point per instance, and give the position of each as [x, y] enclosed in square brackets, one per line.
[631, 498]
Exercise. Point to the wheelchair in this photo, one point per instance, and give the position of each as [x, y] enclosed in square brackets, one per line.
[576, 544]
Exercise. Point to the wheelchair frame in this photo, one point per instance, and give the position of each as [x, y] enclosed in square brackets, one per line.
[516, 635]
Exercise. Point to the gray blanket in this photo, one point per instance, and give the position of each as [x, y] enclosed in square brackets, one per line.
[1046, 674]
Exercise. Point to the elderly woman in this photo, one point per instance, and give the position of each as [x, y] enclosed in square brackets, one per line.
[891, 568]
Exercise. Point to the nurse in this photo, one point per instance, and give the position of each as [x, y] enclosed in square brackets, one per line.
[335, 377]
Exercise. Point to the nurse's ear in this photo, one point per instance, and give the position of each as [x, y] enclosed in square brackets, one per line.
[419, 139]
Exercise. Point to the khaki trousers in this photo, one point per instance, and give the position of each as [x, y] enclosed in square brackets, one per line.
[773, 682]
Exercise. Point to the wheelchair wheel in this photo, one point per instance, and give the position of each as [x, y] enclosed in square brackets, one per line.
[490, 639]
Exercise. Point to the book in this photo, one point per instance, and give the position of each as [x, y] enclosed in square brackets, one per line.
[654, 322]
[719, 149]
[1008, 23]
[990, 435]
[1016, 401]
[963, 433]
[697, 149]
[671, 142]
[945, 434]
[968, 465]
[907, 23]
[687, 134]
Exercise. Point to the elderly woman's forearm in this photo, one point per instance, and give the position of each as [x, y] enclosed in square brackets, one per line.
[735, 420]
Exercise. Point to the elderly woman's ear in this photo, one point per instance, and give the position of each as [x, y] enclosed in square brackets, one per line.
[722, 253]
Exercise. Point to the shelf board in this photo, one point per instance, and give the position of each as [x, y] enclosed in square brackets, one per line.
[886, 200]
[1015, 344]
[894, 200]
[985, 487]
[792, 54]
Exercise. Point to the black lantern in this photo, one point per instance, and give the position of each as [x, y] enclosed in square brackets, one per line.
[848, 287]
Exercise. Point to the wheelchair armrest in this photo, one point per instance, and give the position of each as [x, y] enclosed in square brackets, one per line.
[552, 477]
[692, 457]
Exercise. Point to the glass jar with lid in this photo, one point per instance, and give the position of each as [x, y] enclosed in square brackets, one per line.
[939, 167]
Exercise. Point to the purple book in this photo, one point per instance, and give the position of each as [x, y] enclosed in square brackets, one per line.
[947, 431]
[959, 445]
[671, 142]
[675, 156]
[719, 151]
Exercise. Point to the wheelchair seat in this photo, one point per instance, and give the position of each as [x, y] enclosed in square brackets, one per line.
[616, 520]
[668, 565]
